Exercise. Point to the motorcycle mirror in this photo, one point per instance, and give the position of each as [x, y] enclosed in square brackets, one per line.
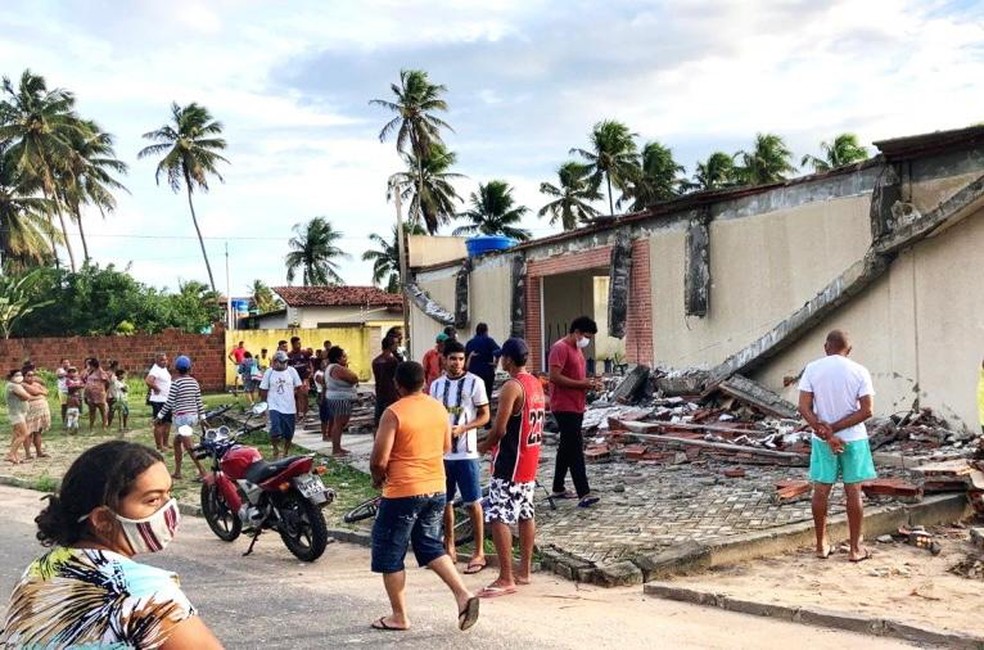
[185, 430]
[259, 408]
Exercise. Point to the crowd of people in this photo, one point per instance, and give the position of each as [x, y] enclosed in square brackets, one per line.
[289, 378]
[103, 392]
[115, 500]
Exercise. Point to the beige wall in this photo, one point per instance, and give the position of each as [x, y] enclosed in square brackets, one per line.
[490, 297]
[311, 317]
[762, 268]
[428, 250]
[920, 330]
[440, 286]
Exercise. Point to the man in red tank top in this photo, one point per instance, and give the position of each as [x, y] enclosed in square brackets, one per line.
[515, 438]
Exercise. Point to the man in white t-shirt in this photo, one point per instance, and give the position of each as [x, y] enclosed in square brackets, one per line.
[463, 395]
[835, 399]
[279, 387]
[158, 380]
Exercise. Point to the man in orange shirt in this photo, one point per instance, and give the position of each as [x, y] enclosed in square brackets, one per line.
[407, 462]
[432, 361]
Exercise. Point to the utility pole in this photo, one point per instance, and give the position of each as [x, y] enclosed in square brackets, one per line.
[404, 267]
[230, 318]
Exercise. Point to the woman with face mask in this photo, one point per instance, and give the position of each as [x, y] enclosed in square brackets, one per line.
[17, 405]
[87, 591]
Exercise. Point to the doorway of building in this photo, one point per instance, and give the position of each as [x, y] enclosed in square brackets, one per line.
[566, 296]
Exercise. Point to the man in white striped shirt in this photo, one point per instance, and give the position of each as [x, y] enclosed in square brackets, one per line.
[184, 404]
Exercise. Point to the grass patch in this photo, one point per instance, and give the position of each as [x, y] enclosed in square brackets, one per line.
[44, 474]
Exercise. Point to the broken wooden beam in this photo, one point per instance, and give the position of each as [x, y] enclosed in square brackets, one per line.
[726, 451]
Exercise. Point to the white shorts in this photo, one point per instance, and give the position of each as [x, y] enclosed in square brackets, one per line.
[186, 419]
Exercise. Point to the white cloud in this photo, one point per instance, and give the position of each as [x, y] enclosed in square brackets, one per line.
[526, 80]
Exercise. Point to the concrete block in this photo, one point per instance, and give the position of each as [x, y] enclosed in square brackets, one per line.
[682, 558]
[618, 574]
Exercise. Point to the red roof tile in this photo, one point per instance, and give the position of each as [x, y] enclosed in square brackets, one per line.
[329, 296]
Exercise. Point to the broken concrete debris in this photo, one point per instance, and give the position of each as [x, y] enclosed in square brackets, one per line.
[665, 417]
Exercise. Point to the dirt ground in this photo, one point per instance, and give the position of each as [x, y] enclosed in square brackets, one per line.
[899, 582]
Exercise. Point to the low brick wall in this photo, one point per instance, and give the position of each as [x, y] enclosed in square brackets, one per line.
[134, 353]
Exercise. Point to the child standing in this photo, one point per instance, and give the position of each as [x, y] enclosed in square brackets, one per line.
[73, 399]
[121, 406]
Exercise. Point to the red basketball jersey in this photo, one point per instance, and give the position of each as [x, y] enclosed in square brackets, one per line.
[518, 454]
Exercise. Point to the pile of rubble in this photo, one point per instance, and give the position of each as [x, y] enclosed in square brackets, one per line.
[672, 417]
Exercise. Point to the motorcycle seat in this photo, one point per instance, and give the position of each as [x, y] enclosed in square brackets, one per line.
[261, 470]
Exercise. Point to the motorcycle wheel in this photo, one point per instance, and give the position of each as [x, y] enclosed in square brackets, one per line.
[302, 527]
[221, 519]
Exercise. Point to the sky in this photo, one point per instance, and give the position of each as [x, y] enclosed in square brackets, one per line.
[526, 80]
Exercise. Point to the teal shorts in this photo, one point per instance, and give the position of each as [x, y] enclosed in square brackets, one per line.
[852, 465]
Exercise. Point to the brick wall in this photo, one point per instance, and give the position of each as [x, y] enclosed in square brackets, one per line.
[135, 353]
[639, 323]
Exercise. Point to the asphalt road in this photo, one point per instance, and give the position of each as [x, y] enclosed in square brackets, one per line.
[270, 600]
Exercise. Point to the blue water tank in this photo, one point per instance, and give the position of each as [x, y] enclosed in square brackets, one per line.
[240, 308]
[487, 243]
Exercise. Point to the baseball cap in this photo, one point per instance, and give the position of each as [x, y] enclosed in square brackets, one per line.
[516, 349]
[182, 363]
[442, 337]
[280, 356]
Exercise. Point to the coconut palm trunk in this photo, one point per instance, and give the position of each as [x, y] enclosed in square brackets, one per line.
[194, 220]
[85, 245]
[611, 205]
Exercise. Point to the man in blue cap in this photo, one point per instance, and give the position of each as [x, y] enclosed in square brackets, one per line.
[184, 406]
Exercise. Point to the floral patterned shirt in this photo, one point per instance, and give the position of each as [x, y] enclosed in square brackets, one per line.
[88, 598]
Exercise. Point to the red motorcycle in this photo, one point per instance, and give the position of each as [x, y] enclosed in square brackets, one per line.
[244, 493]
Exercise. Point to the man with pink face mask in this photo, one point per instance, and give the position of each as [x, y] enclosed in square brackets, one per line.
[568, 385]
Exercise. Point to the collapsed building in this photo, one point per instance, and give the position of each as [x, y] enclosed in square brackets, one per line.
[746, 281]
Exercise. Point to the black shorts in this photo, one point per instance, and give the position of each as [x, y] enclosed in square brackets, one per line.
[156, 407]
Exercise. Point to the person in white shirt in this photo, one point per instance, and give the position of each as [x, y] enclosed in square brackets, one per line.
[835, 399]
[278, 387]
[158, 382]
[463, 395]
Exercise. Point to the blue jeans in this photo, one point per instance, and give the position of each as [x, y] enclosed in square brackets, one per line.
[418, 520]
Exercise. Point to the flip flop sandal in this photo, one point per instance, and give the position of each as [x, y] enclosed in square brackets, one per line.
[469, 615]
[380, 624]
[588, 501]
[826, 553]
[494, 592]
[566, 494]
[866, 556]
[474, 567]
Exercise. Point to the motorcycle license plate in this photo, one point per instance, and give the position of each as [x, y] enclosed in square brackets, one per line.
[311, 486]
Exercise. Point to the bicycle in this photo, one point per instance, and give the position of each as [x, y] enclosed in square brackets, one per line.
[464, 532]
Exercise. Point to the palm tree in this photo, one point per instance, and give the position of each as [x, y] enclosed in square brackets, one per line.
[262, 298]
[190, 144]
[844, 150]
[767, 162]
[88, 175]
[717, 172]
[415, 124]
[439, 195]
[314, 250]
[25, 226]
[40, 123]
[385, 257]
[570, 204]
[656, 179]
[492, 213]
[613, 155]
